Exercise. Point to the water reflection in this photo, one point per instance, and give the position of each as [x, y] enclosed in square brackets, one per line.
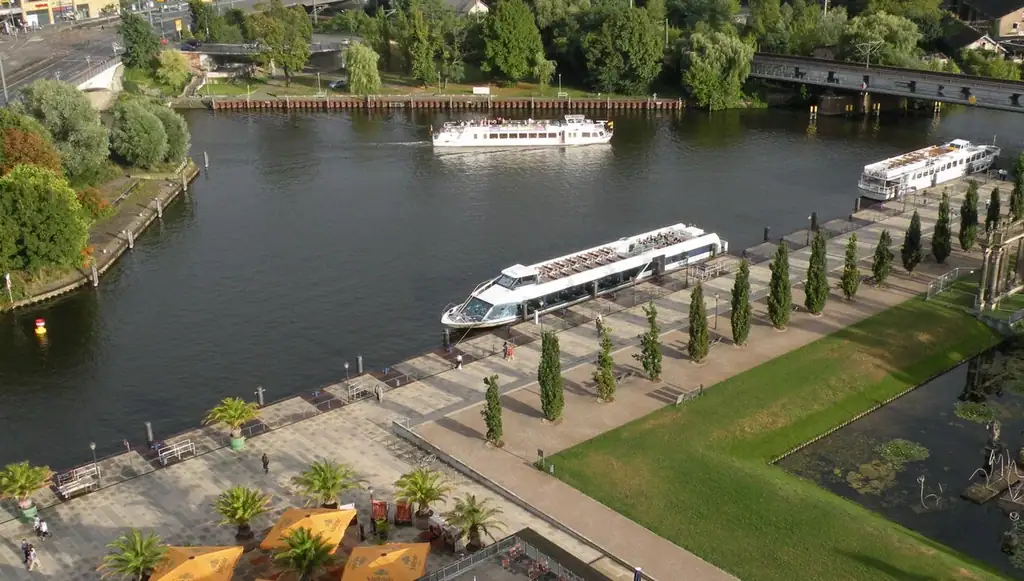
[943, 460]
[541, 159]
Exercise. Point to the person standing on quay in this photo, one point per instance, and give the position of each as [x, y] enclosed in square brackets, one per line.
[266, 463]
[44, 530]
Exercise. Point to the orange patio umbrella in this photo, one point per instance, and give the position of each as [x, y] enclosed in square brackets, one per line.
[391, 562]
[197, 564]
[329, 522]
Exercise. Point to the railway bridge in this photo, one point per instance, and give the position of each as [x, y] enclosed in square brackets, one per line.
[910, 83]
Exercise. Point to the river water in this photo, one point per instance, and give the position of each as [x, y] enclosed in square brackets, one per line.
[316, 238]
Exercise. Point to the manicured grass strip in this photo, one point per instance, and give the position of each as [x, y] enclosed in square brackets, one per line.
[698, 474]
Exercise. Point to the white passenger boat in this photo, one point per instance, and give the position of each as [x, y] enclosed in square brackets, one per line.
[521, 291]
[924, 168]
[572, 130]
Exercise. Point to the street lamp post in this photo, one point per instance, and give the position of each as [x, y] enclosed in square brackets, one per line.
[716, 311]
[99, 477]
[559, 84]
[808, 231]
[3, 79]
[346, 379]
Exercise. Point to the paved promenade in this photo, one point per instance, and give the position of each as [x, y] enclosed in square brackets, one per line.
[441, 405]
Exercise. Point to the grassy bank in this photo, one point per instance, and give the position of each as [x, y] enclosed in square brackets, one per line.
[699, 476]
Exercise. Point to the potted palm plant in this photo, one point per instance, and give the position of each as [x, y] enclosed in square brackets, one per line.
[473, 517]
[422, 487]
[238, 506]
[305, 555]
[233, 412]
[19, 481]
[133, 556]
[324, 482]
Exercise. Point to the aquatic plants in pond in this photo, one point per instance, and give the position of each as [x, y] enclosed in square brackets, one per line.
[974, 411]
[899, 451]
[877, 476]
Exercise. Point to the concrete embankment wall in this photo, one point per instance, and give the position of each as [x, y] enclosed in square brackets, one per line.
[445, 103]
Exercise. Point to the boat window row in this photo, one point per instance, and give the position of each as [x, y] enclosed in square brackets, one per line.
[696, 253]
[944, 167]
[549, 135]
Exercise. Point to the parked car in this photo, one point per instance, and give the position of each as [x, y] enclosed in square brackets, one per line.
[339, 84]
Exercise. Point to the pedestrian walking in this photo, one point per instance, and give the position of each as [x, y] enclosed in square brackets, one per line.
[44, 530]
[33, 560]
[511, 352]
[379, 391]
[505, 350]
[600, 324]
[24, 551]
[266, 463]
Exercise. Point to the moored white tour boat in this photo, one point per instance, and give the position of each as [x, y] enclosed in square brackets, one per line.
[904, 174]
[521, 291]
[502, 133]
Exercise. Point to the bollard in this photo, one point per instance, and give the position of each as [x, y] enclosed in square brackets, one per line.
[856, 205]
[159, 209]
[131, 239]
[184, 183]
[359, 364]
[206, 160]
[259, 396]
[446, 338]
[814, 221]
[149, 434]
[95, 275]
[767, 231]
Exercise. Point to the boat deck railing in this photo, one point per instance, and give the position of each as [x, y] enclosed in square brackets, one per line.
[577, 263]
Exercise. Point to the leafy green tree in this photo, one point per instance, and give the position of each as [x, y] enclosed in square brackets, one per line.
[550, 13]
[543, 69]
[1017, 199]
[73, 125]
[892, 39]
[717, 66]
[473, 517]
[305, 554]
[739, 317]
[284, 33]
[238, 506]
[422, 50]
[881, 262]
[942, 237]
[969, 217]
[21, 480]
[141, 44]
[133, 554]
[698, 345]
[656, 10]
[925, 14]
[178, 137]
[604, 377]
[423, 488]
[816, 287]
[202, 17]
[992, 215]
[236, 17]
[324, 481]
[42, 223]
[172, 69]
[911, 253]
[714, 14]
[363, 77]
[511, 40]
[767, 25]
[984, 63]
[780, 291]
[492, 411]
[137, 135]
[624, 54]
[650, 345]
[19, 147]
[850, 281]
[549, 376]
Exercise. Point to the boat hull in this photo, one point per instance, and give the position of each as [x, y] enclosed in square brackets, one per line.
[448, 320]
[518, 144]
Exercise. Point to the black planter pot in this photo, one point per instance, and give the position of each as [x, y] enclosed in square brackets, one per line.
[331, 505]
[245, 533]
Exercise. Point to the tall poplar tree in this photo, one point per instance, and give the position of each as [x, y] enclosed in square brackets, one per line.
[604, 377]
[816, 287]
[1017, 196]
[850, 281]
[992, 216]
[697, 347]
[650, 345]
[942, 237]
[549, 376]
[881, 262]
[911, 251]
[780, 293]
[492, 411]
[740, 315]
[969, 217]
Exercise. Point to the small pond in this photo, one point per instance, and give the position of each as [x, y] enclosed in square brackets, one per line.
[912, 459]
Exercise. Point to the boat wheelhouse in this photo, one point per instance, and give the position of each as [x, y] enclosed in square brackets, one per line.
[504, 133]
[520, 291]
[905, 174]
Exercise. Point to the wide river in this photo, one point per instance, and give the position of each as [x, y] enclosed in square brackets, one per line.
[316, 238]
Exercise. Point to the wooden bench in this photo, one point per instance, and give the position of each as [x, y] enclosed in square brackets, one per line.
[79, 479]
[175, 450]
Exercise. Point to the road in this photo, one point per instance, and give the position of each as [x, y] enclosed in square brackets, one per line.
[54, 54]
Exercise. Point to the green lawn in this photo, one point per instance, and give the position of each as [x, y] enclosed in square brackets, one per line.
[699, 476]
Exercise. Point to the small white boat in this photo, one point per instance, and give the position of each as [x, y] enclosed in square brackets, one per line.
[905, 174]
[520, 291]
[503, 133]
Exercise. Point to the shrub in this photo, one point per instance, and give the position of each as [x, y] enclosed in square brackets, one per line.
[172, 69]
[138, 136]
[178, 137]
[22, 147]
[93, 204]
